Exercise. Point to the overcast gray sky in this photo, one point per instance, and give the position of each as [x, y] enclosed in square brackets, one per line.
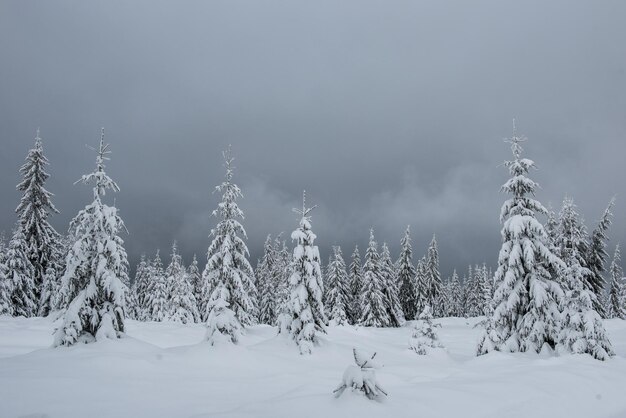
[388, 112]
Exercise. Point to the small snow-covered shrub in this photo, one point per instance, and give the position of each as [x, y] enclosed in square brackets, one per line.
[362, 377]
[424, 336]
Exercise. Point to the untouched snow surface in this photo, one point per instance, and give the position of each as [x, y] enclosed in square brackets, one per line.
[161, 370]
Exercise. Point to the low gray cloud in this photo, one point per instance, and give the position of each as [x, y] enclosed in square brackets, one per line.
[387, 113]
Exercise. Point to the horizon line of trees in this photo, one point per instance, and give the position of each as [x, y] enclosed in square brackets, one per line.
[551, 288]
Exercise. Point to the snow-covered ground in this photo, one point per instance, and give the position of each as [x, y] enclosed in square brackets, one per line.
[161, 370]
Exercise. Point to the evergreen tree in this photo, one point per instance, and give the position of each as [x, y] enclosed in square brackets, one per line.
[19, 270]
[597, 256]
[486, 291]
[140, 288]
[195, 279]
[356, 286]
[374, 312]
[282, 275]
[526, 302]
[390, 288]
[307, 317]
[473, 294]
[43, 243]
[97, 267]
[434, 277]
[228, 272]
[338, 289]
[422, 285]
[182, 306]
[6, 285]
[406, 277]
[617, 295]
[266, 285]
[424, 337]
[456, 296]
[156, 299]
[582, 329]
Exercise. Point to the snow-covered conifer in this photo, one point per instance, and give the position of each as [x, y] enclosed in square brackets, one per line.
[195, 279]
[228, 273]
[282, 274]
[473, 293]
[390, 288]
[582, 330]
[139, 289]
[424, 337]
[19, 270]
[307, 317]
[156, 299]
[434, 278]
[406, 277]
[422, 285]
[6, 284]
[44, 248]
[265, 283]
[486, 290]
[97, 266]
[617, 295]
[182, 306]
[374, 312]
[338, 303]
[356, 285]
[596, 257]
[362, 377]
[456, 296]
[526, 300]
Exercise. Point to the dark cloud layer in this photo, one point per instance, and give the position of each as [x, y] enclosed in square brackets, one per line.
[388, 113]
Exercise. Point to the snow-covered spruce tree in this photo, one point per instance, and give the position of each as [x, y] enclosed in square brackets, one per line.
[282, 275]
[422, 285]
[424, 337]
[306, 309]
[390, 288]
[182, 306]
[6, 284]
[265, 284]
[456, 296]
[228, 273]
[44, 244]
[19, 270]
[617, 296]
[338, 303]
[195, 279]
[373, 310]
[139, 288]
[356, 285]
[597, 255]
[582, 330]
[406, 277]
[156, 299]
[362, 377]
[434, 277]
[486, 291]
[97, 266]
[473, 293]
[526, 301]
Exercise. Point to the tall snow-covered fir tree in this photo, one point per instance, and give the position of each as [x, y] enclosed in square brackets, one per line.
[266, 285]
[195, 278]
[182, 306]
[582, 330]
[616, 306]
[456, 296]
[282, 276]
[96, 266]
[44, 244]
[373, 310]
[140, 287]
[486, 291]
[422, 285]
[19, 270]
[339, 291]
[473, 293]
[228, 273]
[306, 310]
[434, 278]
[390, 288]
[597, 257]
[6, 285]
[526, 301]
[406, 277]
[355, 274]
[156, 298]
